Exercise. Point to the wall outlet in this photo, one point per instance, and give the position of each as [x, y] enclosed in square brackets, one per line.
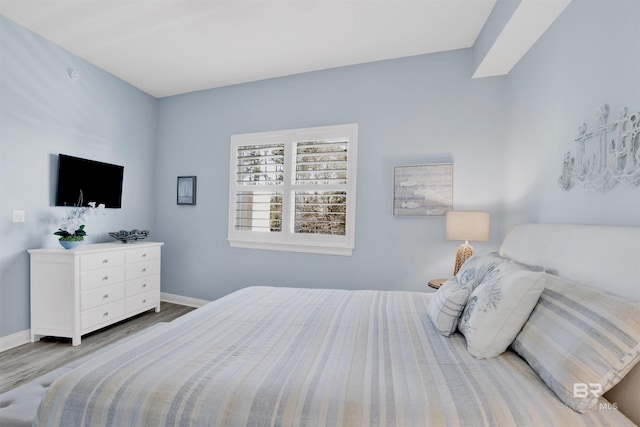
[18, 216]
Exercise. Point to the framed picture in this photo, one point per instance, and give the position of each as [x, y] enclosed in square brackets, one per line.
[423, 190]
[187, 190]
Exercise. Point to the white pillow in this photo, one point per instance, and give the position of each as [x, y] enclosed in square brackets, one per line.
[446, 306]
[498, 307]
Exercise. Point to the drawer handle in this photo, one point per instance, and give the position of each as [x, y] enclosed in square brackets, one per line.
[106, 314]
[144, 300]
[105, 261]
[105, 278]
[144, 285]
[144, 255]
[144, 270]
[105, 296]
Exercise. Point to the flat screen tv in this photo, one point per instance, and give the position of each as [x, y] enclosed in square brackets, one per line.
[99, 182]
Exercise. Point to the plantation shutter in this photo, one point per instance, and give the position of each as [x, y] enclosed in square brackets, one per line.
[258, 196]
[320, 195]
[294, 190]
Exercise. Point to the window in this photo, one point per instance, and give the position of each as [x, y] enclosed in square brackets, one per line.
[294, 190]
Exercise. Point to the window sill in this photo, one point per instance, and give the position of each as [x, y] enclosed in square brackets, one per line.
[291, 247]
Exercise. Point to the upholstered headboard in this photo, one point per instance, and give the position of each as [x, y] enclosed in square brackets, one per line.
[601, 257]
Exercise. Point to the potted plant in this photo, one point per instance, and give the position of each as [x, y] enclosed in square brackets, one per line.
[71, 229]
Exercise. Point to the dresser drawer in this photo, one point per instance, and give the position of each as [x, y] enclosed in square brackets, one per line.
[142, 254]
[141, 269]
[102, 260]
[142, 301]
[144, 284]
[101, 296]
[104, 314]
[104, 277]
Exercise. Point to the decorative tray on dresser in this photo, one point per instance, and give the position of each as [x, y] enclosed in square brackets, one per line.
[74, 292]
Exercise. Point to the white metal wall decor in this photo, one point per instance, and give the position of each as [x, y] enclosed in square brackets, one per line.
[608, 154]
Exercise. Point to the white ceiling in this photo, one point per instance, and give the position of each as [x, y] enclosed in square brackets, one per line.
[168, 47]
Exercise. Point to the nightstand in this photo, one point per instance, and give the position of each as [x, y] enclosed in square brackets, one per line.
[436, 283]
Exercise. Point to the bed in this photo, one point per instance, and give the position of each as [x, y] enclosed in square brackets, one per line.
[306, 357]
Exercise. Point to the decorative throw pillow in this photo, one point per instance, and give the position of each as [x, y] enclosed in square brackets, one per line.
[446, 306]
[580, 341]
[480, 264]
[498, 307]
[476, 267]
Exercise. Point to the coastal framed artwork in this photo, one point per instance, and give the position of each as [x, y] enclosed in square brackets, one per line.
[423, 190]
[186, 192]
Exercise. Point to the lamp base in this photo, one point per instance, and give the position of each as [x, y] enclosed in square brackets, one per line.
[464, 252]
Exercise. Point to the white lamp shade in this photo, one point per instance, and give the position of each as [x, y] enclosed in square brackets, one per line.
[467, 225]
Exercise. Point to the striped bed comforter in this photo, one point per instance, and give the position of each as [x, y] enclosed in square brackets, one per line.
[304, 357]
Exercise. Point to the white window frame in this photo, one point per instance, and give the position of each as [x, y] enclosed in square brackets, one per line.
[286, 240]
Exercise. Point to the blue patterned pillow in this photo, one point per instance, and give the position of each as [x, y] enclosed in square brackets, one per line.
[580, 341]
[498, 307]
[480, 264]
[446, 306]
[477, 267]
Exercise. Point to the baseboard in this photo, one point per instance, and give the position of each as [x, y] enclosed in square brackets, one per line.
[179, 299]
[24, 337]
[15, 340]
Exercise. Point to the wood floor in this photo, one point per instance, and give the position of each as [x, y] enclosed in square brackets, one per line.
[26, 362]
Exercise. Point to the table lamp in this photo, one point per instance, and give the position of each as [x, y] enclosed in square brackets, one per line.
[466, 225]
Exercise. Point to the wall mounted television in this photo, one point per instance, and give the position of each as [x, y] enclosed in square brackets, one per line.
[100, 182]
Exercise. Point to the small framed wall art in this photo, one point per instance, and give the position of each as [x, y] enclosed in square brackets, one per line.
[186, 193]
[423, 190]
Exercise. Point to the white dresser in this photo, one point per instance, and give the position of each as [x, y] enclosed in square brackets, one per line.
[74, 292]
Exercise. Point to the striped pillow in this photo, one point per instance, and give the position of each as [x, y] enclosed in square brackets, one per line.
[580, 341]
[446, 306]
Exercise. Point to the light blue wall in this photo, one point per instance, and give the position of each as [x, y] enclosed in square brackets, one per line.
[42, 114]
[506, 136]
[410, 111]
[590, 56]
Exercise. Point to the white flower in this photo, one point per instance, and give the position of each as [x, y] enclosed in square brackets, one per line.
[73, 223]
